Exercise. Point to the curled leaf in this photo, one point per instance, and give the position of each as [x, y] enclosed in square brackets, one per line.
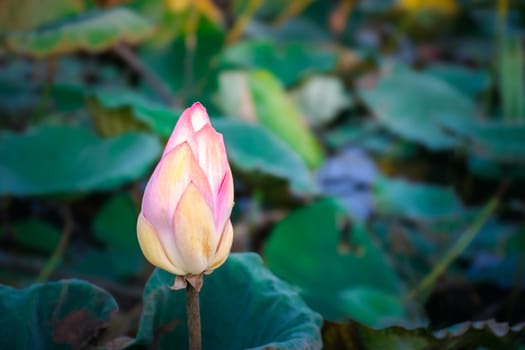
[92, 32]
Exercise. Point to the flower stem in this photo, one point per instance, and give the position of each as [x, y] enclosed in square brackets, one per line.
[159, 86]
[60, 249]
[194, 317]
[461, 244]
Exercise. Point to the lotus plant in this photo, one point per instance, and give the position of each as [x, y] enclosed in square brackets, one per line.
[184, 224]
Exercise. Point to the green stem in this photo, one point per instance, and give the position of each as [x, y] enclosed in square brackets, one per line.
[194, 318]
[55, 258]
[159, 86]
[456, 250]
[243, 20]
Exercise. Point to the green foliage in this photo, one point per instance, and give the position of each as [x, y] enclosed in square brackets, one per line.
[321, 98]
[497, 141]
[57, 315]
[327, 264]
[27, 14]
[378, 156]
[399, 198]
[289, 61]
[242, 304]
[371, 306]
[115, 226]
[471, 335]
[410, 104]
[495, 147]
[258, 97]
[512, 78]
[189, 70]
[501, 142]
[93, 32]
[114, 112]
[253, 150]
[36, 234]
[469, 81]
[62, 159]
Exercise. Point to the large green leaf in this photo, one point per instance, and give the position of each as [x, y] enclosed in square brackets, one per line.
[410, 104]
[339, 270]
[469, 81]
[487, 334]
[62, 159]
[416, 201]
[117, 111]
[500, 142]
[353, 335]
[485, 168]
[497, 141]
[36, 234]
[242, 306]
[289, 61]
[26, 14]
[60, 315]
[253, 150]
[258, 97]
[371, 306]
[93, 32]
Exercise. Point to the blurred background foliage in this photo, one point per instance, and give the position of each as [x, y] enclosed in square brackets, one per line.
[378, 150]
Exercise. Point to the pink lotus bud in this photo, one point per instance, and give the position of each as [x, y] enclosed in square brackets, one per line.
[184, 226]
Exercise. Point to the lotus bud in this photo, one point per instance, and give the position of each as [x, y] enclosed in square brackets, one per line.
[184, 224]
